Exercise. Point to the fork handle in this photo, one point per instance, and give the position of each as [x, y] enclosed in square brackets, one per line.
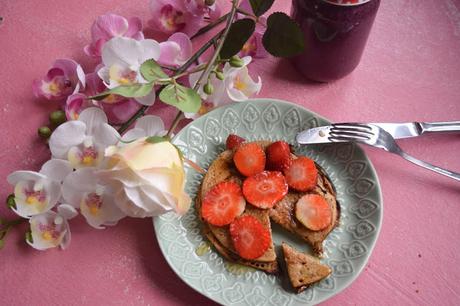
[439, 127]
[421, 163]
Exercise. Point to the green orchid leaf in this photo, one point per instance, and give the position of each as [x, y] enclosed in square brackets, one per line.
[183, 98]
[156, 139]
[239, 33]
[283, 37]
[129, 91]
[259, 7]
[151, 71]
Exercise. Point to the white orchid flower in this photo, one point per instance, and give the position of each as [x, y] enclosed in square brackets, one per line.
[237, 86]
[146, 126]
[51, 229]
[82, 142]
[38, 192]
[96, 202]
[122, 58]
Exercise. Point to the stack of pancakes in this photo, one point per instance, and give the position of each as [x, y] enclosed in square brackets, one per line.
[223, 169]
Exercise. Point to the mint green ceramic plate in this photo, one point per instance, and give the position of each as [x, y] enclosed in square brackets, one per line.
[347, 248]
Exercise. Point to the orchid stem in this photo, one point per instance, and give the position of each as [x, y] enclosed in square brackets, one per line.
[168, 68]
[210, 26]
[7, 226]
[210, 64]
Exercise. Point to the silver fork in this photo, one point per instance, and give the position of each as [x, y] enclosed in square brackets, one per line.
[375, 136]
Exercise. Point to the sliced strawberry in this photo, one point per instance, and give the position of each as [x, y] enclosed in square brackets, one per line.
[313, 211]
[250, 238]
[233, 141]
[278, 156]
[302, 174]
[265, 189]
[223, 203]
[249, 158]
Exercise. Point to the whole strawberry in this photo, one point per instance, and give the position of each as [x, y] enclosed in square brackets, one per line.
[278, 156]
[233, 141]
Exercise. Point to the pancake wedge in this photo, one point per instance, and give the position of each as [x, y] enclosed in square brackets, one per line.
[303, 269]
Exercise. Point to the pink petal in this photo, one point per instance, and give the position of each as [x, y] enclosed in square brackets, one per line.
[52, 73]
[68, 66]
[184, 43]
[95, 48]
[196, 7]
[37, 88]
[157, 5]
[108, 26]
[245, 6]
[94, 84]
[121, 111]
[170, 16]
[134, 28]
[193, 24]
[214, 11]
[170, 52]
[74, 105]
[89, 50]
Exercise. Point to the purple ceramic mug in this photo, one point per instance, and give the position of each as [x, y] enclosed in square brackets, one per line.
[335, 33]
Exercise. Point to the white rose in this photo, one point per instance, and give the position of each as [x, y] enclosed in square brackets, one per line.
[149, 178]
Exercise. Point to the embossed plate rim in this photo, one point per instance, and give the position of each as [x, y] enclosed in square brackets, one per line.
[378, 198]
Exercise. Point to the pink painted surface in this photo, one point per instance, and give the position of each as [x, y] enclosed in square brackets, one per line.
[410, 71]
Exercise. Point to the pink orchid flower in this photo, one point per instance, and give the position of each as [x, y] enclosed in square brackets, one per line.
[170, 16]
[176, 50]
[63, 78]
[117, 108]
[199, 7]
[75, 103]
[108, 26]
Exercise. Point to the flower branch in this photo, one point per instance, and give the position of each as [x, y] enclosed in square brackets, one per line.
[91, 161]
[210, 63]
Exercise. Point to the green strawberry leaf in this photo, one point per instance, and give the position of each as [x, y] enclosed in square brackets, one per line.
[239, 33]
[283, 37]
[259, 7]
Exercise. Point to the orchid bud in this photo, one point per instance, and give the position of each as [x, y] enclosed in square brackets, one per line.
[208, 88]
[57, 117]
[10, 202]
[28, 237]
[44, 132]
[220, 75]
[236, 62]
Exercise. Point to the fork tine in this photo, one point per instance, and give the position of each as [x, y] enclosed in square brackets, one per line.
[350, 134]
[351, 130]
[345, 139]
[352, 125]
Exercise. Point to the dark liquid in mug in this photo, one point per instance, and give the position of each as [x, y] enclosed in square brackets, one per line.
[335, 37]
